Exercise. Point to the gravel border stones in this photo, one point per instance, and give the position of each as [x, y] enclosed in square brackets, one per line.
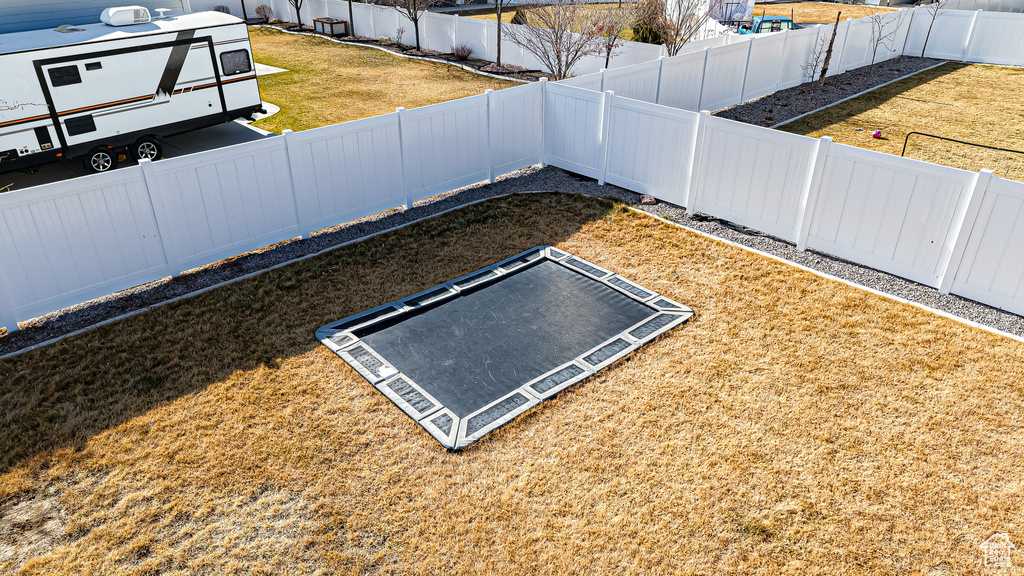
[533, 179]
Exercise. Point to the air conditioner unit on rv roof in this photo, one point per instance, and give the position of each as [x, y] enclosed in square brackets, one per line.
[125, 15]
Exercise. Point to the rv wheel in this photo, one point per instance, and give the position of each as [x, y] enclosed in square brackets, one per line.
[100, 160]
[148, 148]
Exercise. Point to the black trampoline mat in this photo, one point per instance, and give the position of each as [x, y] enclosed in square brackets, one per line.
[467, 356]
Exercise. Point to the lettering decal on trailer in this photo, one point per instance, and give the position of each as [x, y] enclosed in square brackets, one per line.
[174, 63]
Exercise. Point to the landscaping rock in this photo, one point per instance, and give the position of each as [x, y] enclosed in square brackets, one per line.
[648, 200]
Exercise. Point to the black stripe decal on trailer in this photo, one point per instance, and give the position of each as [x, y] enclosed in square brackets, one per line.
[174, 63]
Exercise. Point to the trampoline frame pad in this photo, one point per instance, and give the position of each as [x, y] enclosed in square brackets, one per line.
[443, 424]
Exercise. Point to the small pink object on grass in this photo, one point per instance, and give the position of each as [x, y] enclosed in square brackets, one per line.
[876, 134]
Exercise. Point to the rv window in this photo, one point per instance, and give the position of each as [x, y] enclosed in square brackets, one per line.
[80, 125]
[64, 76]
[235, 62]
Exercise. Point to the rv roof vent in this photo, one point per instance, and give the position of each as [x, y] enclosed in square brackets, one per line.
[125, 16]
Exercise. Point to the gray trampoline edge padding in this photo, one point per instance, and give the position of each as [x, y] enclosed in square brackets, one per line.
[467, 356]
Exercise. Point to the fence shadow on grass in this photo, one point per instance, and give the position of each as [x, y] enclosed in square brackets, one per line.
[62, 395]
[871, 100]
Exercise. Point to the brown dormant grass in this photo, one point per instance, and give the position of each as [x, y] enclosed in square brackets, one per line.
[328, 83]
[974, 103]
[816, 11]
[795, 425]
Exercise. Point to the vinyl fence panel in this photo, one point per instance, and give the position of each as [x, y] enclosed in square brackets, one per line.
[888, 212]
[573, 129]
[637, 82]
[515, 128]
[762, 75]
[444, 146]
[68, 242]
[224, 202]
[992, 268]
[723, 78]
[650, 148]
[753, 176]
[587, 81]
[948, 37]
[473, 32]
[795, 55]
[998, 39]
[682, 78]
[438, 32]
[346, 171]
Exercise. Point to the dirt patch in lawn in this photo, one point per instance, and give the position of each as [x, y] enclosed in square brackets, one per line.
[328, 83]
[970, 102]
[795, 425]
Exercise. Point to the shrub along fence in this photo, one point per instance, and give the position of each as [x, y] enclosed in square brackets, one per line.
[68, 242]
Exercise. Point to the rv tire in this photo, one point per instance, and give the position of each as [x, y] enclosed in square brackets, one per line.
[147, 147]
[100, 160]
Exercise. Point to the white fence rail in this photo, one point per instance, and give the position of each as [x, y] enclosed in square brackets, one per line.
[69, 242]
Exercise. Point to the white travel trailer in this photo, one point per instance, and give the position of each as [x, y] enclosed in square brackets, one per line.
[102, 90]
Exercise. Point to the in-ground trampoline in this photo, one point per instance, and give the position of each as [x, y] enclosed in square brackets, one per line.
[468, 356]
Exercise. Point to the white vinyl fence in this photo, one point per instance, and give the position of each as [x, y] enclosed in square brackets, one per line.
[437, 31]
[722, 72]
[68, 242]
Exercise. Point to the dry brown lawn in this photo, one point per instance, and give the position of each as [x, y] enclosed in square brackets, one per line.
[328, 83]
[974, 103]
[817, 11]
[795, 425]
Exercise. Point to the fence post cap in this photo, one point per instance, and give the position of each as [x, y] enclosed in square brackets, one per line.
[287, 131]
[400, 109]
[543, 78]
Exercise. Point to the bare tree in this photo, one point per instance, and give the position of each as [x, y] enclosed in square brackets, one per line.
[610, 23]
[499, 7]
[934, 10]
[297, 4]
[413, 10]
[351, 20]
[828, 53]
[558, 34]
[810, 68]
[677, 21]
[879, 35]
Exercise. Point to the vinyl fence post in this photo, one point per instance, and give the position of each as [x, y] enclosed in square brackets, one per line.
[401, 158]
[690, 195]
[7, 317]
[910, 30]
[163, 227]
[606, 120]
[963, 230]
[661, 67]
[291, 149]
[970, 35]
[703, 75]
[809, 195]
[543, 121]
[490, 137]
[746, 71]
[603, 70]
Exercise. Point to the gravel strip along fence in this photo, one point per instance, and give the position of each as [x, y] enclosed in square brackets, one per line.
[535, 179]
[787, 104]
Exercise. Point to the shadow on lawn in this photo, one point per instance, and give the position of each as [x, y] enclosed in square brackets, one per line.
[62, 395]
[869, 101]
